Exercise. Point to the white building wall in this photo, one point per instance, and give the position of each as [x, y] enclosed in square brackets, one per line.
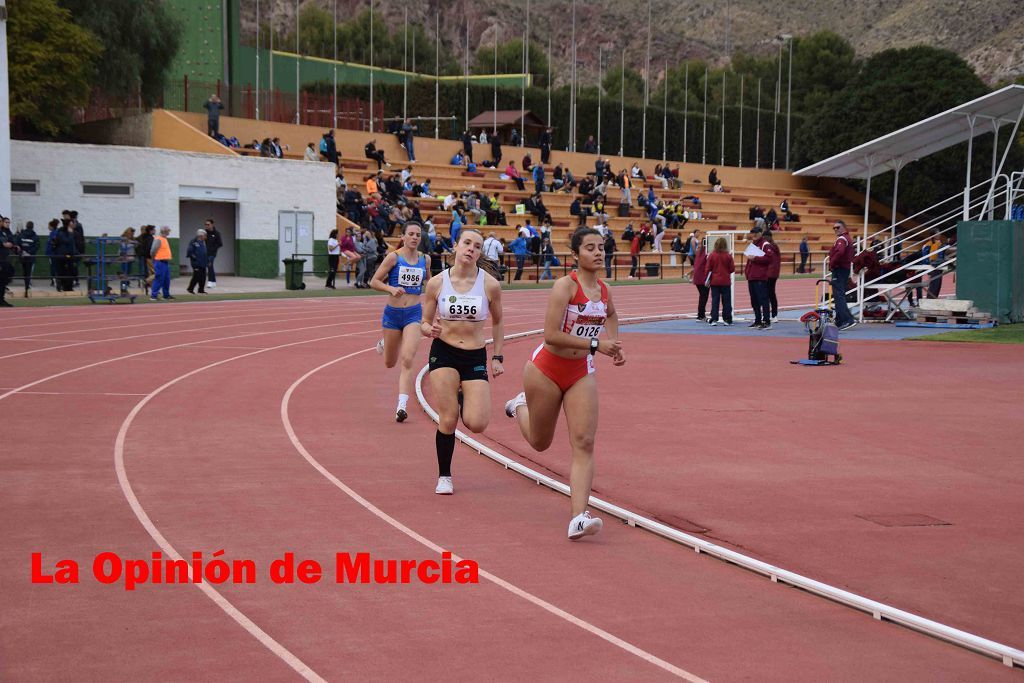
[263, 186]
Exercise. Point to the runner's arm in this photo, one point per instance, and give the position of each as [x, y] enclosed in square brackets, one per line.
[377, 281]
[428, 327]
[493, 292]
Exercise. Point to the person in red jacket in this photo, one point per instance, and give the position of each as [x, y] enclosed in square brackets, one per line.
[840, 258]
[720, 267]
[756, 272]
[700, 274]
[634, 253]
[772, 249]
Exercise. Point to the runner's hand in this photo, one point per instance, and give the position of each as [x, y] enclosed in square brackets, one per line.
[430, 331]
[496, 367]
[397, 291]
[610, 347]
[619, 359]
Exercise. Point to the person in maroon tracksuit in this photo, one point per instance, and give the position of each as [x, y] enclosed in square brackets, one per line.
[772, 249]
[700, 274]
[840, 258]
[756, 272]
[721, 267]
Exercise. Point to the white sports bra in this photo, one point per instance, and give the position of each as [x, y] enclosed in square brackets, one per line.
[468, 307]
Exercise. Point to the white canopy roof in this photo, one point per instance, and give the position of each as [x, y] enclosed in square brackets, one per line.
[925, 137]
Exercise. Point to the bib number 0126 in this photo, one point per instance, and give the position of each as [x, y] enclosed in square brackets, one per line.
[588, 330]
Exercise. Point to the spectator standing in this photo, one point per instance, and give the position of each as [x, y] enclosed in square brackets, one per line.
[548, 257]
[7, 247]
[677, 249]
[805, 253]
[774, 269]
[51, 237]
[213, 107]
[840, 259]
[161, 253]
[590, 146]
[408, 127]
[492, 248]
[700, 276]
[214, 242]
[65, 249]
[609, 252]
[333, 258]
[143, 250]
[78, 230]
[495, 149]
[467, 145]
[520, 248]
[545, 146]
[126, 250]
[198, 258]
[634, 254]
[756, 272]
[28, 242]
[934, 259]
[720, 268]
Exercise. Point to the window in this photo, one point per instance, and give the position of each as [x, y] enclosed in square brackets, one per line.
[107, 189]
[25, 186]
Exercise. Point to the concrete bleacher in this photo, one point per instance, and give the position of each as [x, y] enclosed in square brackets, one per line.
[818, 208]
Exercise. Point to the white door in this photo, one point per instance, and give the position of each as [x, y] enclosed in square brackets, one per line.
[286, 238]
[295, 237]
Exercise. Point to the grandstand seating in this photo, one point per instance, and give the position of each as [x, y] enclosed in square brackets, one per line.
[817, 207]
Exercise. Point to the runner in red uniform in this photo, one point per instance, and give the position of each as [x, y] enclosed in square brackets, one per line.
[560, 374]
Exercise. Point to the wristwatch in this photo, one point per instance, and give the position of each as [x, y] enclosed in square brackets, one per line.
[498, 357]
[593, 345]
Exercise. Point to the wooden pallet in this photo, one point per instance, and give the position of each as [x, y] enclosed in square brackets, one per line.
[953, 319]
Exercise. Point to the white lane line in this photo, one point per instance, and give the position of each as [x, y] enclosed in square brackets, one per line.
[245, 622]
[1009, 655]
[512, 588]
[70, 393]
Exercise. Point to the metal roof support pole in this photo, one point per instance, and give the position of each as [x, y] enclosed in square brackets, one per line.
[895, 196]
[867, 199]
[989, 200]
[995, 153]
[970, 157]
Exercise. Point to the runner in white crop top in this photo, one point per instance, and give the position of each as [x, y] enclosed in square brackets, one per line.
[470, 306]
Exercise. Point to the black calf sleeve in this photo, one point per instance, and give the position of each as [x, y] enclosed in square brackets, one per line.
[445, 449]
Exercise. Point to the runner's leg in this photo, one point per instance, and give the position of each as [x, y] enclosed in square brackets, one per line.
[580, 406]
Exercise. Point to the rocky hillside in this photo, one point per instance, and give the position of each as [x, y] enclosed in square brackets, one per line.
[988, 33]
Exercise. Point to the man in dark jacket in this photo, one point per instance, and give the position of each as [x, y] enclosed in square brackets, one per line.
[213, 245]
[8, 246]
[756, 272]
[199, 259]
[467, 145]
[496, 149]
[143, 245]
[65, 253]
[545, 146]
[28, 242]
[840, 259]
[213, 108]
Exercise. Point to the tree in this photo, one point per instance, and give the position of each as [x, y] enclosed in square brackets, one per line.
[634, 83]
[510, 60]
[823, 63]
[51, 60]
[140, 40]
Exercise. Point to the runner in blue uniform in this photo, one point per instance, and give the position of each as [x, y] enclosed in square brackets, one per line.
[403, 275]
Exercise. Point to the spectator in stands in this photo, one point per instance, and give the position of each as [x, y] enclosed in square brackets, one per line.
[348, 247]
[545, 146]
[774, 269]
[213, 109]
[467, 145]
[483, 137]
[788, 215]
[267, 149]
[512, 172]
[367, 246]
[520, 249]
[371, 152]
[277, 151]
[496, 150]
[590, 147]
[328, 148]
[199, 260]
[714, 181]
[771, 220]
[720, 269]
[458, 159]
[492, 248]
[514, 138]
[495, 216]
[28, 244]
[408, 127]
[311, 154]
[840, 259]
[756, 272]
[538, 178]
[635, 246]
[805, 253]
[527, 162]
[700, 275]
[934, 259]
[659, 175]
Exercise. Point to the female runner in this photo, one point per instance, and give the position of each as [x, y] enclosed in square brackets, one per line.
[561, 372]
[403, 274]
[462, 298]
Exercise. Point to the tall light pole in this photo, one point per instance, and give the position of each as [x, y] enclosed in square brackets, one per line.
[664, 119]
[526, 77]
[371, 66]
[757, 142]
[722, 149]
[437, 74]
[467, 73]
[5, 117]
[257, 59]
[549, 80]
[686, 108]
[741, 122]
[775, 117]
[572, 86]
[334, 106]
[405, 67]
[494, 127]
[298, 81]
[704, 134]
[622, 104]
[789, 98]
[647, 81]
[599, 88]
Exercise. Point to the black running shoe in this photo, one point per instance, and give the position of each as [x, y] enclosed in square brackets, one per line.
[401, 415]
[756, 323]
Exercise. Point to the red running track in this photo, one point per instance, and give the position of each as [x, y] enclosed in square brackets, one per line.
[264, 427]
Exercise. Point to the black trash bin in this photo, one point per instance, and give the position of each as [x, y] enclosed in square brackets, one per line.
[293, 268]
[653, 269]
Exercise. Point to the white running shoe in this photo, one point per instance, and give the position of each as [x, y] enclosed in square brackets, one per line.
[713, 323]
[211, 285]
[584, 525]
[444, 486]
[513, 403]
[775, 319]
[380, 347]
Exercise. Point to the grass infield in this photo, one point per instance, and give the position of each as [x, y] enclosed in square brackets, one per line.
[1002, 334]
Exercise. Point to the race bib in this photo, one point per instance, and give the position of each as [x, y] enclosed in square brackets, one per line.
[588, 331]
[463, 307]
[409, 277]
